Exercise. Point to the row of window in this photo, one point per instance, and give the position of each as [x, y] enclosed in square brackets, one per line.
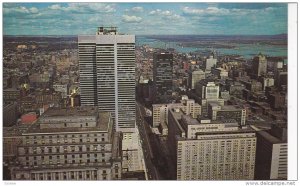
[68, 175]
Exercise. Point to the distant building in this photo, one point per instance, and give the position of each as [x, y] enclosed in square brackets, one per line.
[259, 65]
[208, 92]
[69, 144]
[252, 85]
[162, 76]
[10, 114]
[267, 82]
[221, 113]
[281, 78]
[209, 62]
[160, 111]
[225, 95]
[203, 149]
[271, 158]
[11, 95]
[195, 77]
[220, 73]
[39, 80]
[277, 100]
[63, 88]
[235, 88]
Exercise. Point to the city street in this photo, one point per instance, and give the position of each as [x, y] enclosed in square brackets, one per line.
[147, 150]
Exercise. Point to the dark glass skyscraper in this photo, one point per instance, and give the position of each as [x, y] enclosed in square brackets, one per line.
[162, 76]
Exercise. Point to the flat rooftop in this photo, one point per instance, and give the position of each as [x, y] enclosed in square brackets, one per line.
[76, 111]
[269, 137]
[193, 121]
[102, 125]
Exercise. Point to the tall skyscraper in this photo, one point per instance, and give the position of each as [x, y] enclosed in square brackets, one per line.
[162, 76]
[259, 65]
[107, 74]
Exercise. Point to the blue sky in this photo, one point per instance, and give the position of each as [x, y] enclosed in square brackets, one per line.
[145, 18]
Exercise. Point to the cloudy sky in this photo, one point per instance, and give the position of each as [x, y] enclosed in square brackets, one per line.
[144, 18]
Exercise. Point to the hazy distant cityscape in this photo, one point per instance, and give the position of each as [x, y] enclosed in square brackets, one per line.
[114, 105]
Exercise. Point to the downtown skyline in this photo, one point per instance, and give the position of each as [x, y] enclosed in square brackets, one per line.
[145, 18]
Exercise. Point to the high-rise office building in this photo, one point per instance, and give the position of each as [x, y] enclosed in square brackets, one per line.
[210, 62]
[69, 144]
[259, 65]
[162, 76]
[107, 74]
[195, 77]
[203, 149]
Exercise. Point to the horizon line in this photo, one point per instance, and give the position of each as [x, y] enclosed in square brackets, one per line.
[162, 35]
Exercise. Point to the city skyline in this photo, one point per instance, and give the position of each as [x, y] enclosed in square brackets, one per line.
[149, 91]
[145, 18]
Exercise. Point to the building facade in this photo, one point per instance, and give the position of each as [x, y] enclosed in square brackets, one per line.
[218, 112]
[206, 150]
[210, 62]
[195, 77]
[160, 111]
[271, 159]
[259, 65]
[162, 76]
[69, 144]
[107, 75]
